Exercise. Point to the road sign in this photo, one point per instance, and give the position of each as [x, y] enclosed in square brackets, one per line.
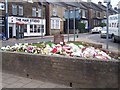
[2, 6]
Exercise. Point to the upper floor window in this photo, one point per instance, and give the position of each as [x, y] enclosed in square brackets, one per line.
[83, 13]
[20, 10]
[14, 9]
[98, 14]
[34, 11]
[94, 13]
[39, 12]
[54, 13]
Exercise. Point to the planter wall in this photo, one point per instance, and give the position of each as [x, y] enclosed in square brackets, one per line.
[76, 72]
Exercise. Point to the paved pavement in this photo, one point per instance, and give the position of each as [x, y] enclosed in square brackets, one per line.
[12, 81]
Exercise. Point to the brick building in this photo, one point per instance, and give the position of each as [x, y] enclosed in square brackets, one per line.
[26, 19]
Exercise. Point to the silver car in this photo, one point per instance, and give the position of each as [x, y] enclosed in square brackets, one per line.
[103, 33]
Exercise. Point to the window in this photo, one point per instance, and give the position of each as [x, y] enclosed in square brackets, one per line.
[25, 28]
[117, 25]
[98, 14]
[31, 28]
[37, 28]
[94, 13]
[34, 12]
[42, 28]
[83, 13]
[14, 9]
[55, 24]
[39, 12]
[54, 12]
[20, 10]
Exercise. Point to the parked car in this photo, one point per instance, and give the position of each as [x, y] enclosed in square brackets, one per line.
[96, 30]
[103, 32]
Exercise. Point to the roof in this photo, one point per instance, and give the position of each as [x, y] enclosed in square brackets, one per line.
[95, 6]
[82, 6]
[73, 4]
[64, 4]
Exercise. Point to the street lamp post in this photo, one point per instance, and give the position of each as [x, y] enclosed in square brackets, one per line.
[68, 24]
[6, 18]
[108, 3]
[74, 23]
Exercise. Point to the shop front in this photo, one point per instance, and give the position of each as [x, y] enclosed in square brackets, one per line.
[20, 27]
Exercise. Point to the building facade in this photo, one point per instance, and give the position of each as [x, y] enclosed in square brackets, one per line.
[55, 17]
[2, 17]
[72, 13]
[26, 19]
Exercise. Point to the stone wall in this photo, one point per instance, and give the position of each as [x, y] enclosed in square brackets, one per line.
[75, 72]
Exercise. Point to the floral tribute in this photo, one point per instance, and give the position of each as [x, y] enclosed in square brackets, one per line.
[66, 49]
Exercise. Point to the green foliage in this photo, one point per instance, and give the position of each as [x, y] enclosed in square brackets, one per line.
[81, 26]
[102, 24]
[41, 44]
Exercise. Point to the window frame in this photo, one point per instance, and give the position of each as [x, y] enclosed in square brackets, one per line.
[14, 9]
[34, 11]
[39, 12]
[20, 7]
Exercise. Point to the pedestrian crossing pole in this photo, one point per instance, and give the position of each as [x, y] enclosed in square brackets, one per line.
[6, 19]
[68, 24]
[74, 23]
[108, 4]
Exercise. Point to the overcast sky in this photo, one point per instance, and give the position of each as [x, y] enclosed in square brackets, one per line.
[113, 2]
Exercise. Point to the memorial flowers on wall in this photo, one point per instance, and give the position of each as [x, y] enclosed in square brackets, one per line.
[67, 49]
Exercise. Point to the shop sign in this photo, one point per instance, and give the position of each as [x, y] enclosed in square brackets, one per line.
[24, 20]
[2, 6]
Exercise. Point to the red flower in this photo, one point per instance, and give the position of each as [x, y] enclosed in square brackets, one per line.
[54, 50]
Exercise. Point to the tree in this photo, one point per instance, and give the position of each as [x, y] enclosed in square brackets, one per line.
[102, 24]
[81, 26]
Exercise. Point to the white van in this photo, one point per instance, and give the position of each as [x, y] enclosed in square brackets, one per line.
[114, 28]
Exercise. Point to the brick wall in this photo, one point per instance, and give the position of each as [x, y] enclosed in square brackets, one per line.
[27, 9]
[76, 72]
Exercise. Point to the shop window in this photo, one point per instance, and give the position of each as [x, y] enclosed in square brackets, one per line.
[31, 28]
[14, 9]
[20, 10]
[42, 29]
[34, 12]
[35, 28]
[25, 28]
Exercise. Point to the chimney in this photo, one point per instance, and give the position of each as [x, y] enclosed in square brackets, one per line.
[99, 3]
[88, 0]
[115, 8]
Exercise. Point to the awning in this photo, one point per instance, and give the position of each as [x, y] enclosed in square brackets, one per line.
[19, 23]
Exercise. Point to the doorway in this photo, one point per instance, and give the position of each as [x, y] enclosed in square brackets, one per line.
[10, 32]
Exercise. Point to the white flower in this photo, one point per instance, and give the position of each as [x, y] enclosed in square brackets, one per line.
[61, 43]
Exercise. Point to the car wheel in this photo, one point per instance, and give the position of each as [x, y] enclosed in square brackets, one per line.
[113, 39]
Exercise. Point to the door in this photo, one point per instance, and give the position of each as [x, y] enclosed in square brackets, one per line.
[19, 31]
[10, 32]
